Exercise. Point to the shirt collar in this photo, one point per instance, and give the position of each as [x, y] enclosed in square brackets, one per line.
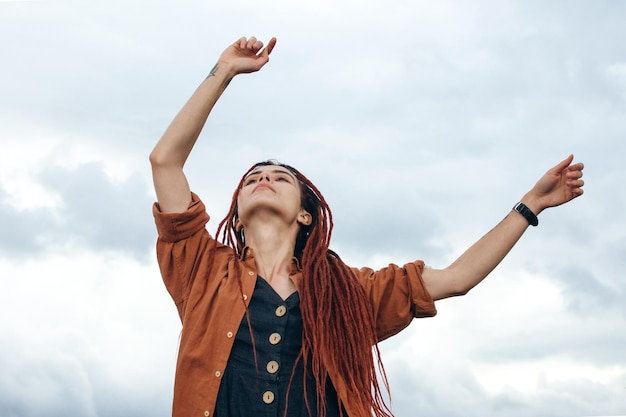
[247, 254]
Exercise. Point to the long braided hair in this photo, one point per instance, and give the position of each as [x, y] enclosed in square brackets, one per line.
[337, 318]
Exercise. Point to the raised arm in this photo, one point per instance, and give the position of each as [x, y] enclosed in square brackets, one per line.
[559, 185]
[170, 153]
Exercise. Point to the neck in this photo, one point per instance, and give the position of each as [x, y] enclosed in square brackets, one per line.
[273, 249]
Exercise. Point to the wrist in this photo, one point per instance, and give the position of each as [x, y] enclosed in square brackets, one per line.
[527, 213]
[533, 203]
[222, 71]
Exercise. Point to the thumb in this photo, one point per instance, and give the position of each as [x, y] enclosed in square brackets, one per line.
[268, 49]
[563, 164]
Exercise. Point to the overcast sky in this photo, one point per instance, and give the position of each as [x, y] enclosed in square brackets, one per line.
[422, 122]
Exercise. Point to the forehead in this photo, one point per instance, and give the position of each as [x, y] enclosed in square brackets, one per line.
[276, 169]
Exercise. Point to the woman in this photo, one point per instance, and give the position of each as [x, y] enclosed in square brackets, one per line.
[274, 323]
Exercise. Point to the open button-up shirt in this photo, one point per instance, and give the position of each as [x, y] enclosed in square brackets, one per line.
[201, 278]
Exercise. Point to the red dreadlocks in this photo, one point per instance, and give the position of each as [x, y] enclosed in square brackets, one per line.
[337, 317]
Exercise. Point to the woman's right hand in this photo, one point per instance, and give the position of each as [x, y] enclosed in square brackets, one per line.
[243, 56]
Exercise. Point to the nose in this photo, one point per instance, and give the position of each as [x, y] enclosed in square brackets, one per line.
[265, 176]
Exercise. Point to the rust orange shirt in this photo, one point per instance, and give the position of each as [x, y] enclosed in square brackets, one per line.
[212, 303]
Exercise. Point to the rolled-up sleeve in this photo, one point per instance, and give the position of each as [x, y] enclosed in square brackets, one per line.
[398, 295]
[182, 238]
[173, 227]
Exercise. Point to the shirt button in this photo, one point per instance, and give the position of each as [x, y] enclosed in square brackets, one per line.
[206, 413]
[218, 374]
[272, 367]
[250, 273]
[268, 397]
[280, 311]
[275, 338]
[229, 335]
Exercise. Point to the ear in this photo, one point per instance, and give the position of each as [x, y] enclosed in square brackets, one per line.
[305, 218]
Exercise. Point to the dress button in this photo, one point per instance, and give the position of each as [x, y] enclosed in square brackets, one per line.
[218, 374]
[268, 397]
[272, 367]
[245, 297]
[229, 335]
[250, 273]
[275, 338]
[206, 413]
[280, 311]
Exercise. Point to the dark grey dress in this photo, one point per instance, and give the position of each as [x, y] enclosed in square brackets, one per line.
[257, 385]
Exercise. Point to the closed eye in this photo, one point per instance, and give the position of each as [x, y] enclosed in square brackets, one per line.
[277, 175]
[250, 180]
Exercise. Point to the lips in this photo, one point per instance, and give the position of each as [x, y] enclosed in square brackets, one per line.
[262, 186]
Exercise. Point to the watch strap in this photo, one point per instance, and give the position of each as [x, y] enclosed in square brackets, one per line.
[522, 209]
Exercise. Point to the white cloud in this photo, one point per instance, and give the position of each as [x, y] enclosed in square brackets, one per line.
[82, 331]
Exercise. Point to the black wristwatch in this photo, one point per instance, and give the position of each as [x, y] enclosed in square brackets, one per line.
[522, 209]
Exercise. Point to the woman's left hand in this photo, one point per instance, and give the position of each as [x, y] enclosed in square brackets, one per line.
[559, 185]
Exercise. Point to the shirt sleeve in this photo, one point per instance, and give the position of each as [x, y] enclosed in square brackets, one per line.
[182, 238]
[398, 295]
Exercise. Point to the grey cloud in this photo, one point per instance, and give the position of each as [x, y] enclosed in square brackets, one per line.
[95, 213]
[46, 387]
[595, 332]
[586, 294]
[100, 213]
[393, 224]
[58, 381]
[436, 386]
[19, 229]
[591, 340]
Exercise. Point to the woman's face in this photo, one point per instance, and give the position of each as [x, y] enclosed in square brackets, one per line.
[271, 190]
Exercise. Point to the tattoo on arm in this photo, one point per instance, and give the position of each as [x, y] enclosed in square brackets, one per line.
[212, 74]
[213, 70]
